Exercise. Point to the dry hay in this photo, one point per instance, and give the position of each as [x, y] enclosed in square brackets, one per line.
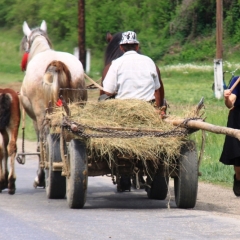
[123, 114]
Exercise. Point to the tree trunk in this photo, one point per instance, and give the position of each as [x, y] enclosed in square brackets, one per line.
[196, 124]
[81, 32]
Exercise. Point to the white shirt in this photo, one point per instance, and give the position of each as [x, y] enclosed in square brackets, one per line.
[132, 76]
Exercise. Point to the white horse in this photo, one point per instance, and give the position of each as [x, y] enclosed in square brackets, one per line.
[47, 72]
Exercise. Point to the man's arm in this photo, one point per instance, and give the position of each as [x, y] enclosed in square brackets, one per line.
[229, 98]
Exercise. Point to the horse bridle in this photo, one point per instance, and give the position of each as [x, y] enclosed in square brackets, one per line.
[31, 39]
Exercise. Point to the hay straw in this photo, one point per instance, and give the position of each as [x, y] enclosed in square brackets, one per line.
[123, 113]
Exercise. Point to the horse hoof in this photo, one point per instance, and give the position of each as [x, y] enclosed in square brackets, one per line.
[11, 191]
[35, 184]
[3, 186]
[11, 186]
[42, 184]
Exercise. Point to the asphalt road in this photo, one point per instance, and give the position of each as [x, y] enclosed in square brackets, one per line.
[107, 215]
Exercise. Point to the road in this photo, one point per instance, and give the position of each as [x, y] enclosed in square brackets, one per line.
[110, 215]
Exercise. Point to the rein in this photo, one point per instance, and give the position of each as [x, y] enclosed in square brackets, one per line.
[29, 43]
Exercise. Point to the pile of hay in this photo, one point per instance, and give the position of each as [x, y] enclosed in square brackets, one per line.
[123, 114]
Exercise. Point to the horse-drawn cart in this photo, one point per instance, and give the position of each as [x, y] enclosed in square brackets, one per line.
[142, 157]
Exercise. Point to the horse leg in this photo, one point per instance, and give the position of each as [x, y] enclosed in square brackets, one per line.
[12, 174]
[37, 133]
[39, 180]
[1, 163]
[12, 150]
[4, 160]
[3, 170]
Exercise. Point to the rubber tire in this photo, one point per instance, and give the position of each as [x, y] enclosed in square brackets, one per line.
[186, 184]
[159, 188]
[78, 180]
[55, 182]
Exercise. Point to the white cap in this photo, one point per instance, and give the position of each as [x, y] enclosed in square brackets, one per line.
[129, 38]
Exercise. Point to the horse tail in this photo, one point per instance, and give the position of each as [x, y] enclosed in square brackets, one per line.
[5, 110]
[56, 82]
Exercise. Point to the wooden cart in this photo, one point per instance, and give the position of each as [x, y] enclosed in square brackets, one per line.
[68, 166]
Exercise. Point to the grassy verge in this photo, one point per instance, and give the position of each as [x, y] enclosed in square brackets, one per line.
[185, 85]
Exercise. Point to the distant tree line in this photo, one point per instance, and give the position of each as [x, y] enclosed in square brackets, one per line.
[159, 24]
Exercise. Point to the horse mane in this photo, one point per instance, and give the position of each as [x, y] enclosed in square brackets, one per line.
[113, 50]
[24, 42]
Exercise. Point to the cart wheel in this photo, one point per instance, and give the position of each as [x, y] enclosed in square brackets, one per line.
[55, 182]
[159, 188]
[186, 183]
[78, 179]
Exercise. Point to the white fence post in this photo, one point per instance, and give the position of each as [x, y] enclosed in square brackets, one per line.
[88, 57]
[218, 78]
[76, 52]
[88, 60]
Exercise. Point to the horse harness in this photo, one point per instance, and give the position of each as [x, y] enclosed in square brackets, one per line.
[32, 37]
[29, 43]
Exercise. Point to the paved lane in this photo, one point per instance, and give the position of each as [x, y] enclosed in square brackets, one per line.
[107, 215]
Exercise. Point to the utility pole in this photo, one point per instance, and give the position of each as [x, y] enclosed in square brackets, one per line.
[219, 32]
[218, 63]
[81, 32]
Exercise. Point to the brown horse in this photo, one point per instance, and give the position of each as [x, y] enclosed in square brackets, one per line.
[113, 51]
[9, 123]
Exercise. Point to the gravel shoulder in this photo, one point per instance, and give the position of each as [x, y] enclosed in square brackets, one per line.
[215, 198]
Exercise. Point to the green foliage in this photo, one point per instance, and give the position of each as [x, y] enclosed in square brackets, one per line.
[62, 16]
[160, 25]
[196, 51]
[232, 22]
[5, 7]
[9, 52]
[21, 11]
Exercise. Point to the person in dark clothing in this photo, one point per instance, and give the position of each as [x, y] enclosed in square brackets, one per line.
[231, 148]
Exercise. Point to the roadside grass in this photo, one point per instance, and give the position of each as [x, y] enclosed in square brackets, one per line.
[10, 55]
[185, 85]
